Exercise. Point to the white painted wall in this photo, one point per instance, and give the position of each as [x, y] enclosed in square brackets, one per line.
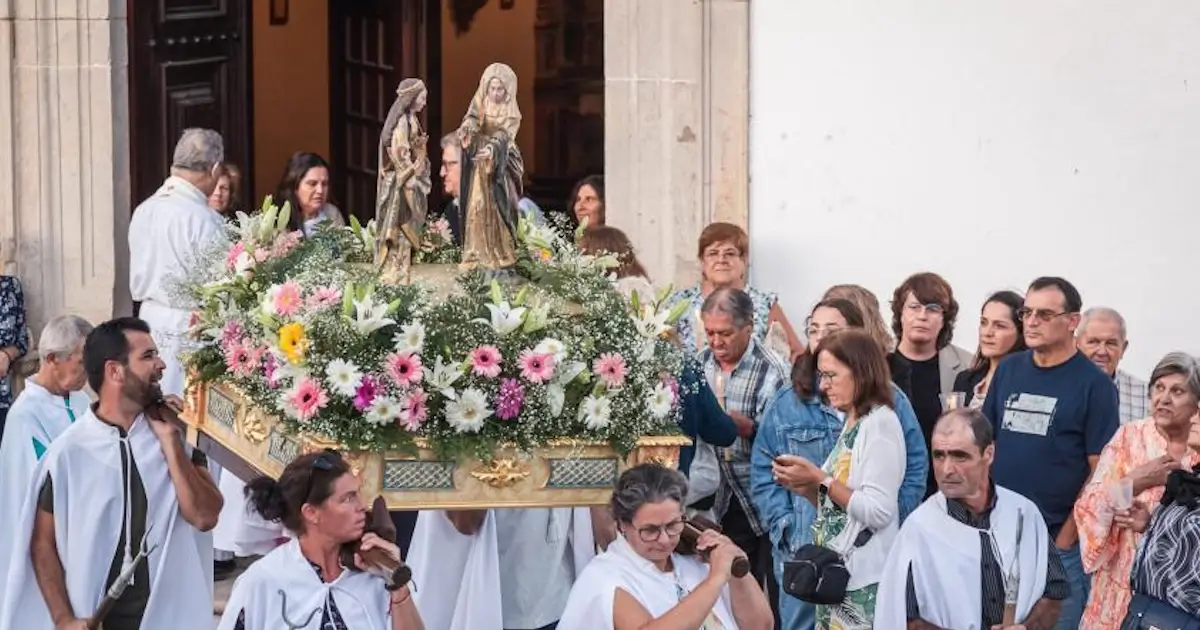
[991, 141]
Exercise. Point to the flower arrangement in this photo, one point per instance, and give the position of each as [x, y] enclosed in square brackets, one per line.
[309, 334]
[437, 244]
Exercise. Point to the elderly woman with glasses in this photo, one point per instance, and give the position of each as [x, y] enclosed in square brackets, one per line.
[1134, 466]
[307, 580]
[640, 581]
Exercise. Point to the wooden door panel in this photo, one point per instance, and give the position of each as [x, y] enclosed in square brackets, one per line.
[188, 67]
[375, 44]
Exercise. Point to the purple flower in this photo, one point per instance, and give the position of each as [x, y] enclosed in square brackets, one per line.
[367, 390]
[510, 399]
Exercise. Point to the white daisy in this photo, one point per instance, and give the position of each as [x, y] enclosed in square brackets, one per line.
[411, 338]
[383, 410]
[596, 412]
[660, 401]
[343, 377]
[467, 413]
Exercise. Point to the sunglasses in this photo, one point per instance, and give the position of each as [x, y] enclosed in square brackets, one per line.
[324, 462]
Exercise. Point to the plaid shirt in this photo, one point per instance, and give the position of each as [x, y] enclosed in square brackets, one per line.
[1134, 397]
[747, 390]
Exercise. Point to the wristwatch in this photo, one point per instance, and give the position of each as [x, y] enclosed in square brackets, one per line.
[826, 482]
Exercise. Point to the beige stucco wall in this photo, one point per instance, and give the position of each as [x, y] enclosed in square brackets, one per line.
[676, 106]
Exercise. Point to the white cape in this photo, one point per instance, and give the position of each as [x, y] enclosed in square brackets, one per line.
[360, 597]
[35, 420]
[945, 556]
[456, 578]
[590, 606]
[85, 465]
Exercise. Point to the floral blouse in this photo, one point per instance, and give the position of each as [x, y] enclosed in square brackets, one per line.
[1108, 551]
[12, 330]
[689, 328]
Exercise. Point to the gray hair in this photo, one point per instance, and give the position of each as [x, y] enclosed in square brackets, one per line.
[198, 151]
[732, 302]
[451, 140]
[1101, 312]
[63, 336]
[1179, 363]
[981, 427]
[646, 483]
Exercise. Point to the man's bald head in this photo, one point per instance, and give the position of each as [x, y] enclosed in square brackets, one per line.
[962, 450]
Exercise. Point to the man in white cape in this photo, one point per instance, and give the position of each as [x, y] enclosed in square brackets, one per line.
[468, 566]
[117, 482]
[53, 399]
[974, 556]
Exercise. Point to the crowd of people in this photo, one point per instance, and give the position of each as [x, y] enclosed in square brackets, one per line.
[863, 470]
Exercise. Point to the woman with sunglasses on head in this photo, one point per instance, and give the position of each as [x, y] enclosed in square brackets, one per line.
[306, 579]
[641, 582]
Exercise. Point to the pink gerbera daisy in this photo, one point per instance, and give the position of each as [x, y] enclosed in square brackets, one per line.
[232, 333]
[325, 296]
[611, 369]
[242, 359]
[404, 368]
[306, 399]
[537, 367]
[414, 410]
[286, 298]
[366, 392]
[485, 361]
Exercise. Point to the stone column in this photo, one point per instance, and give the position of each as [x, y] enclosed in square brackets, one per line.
[676, 125]
[64, 158]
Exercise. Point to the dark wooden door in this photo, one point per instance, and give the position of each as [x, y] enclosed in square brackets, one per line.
[375, 44]
[188, 67]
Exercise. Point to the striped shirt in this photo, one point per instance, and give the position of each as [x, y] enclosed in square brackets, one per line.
[747, 389]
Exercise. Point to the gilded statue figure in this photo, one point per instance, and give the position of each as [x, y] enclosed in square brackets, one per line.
[404, 183]
[492, 170]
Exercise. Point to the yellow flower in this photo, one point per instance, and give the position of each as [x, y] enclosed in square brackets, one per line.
[293, 342]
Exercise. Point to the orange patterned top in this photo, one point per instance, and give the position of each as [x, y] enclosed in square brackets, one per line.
[1107, 550]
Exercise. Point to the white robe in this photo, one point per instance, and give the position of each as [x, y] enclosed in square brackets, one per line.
[457, 577]
[360, 597]
[85, 465]
[945, 556]
[590, 606]
[166, 235]
[35, 420]
[239, 528]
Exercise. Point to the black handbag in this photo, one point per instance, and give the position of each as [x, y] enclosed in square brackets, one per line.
[818, 575]
[1148, 613]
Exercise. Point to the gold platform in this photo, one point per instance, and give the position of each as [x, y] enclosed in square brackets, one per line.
[567, 473]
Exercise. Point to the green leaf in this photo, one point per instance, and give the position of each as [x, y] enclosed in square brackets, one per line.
[521, 295]
[497, 295]
[394, 306]
[348, 300]
[636, 303]
[676, 312]
[663, 293]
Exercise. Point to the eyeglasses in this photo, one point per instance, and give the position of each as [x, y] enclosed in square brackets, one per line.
[813, 330]
[714, 254]
[933, 308]
[1042, 314]
[324, 462]
[651, 533]
[826, 376]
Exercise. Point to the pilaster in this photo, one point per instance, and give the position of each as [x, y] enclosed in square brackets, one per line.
[64, 163]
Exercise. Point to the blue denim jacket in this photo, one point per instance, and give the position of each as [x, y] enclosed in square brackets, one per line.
[810, 429]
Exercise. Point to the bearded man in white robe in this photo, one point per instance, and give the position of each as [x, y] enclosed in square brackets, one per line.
[974, 556]
[502, 569]
[53, 399]
[117, 483]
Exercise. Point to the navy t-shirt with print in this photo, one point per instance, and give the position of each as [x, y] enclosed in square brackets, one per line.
[1048, 421]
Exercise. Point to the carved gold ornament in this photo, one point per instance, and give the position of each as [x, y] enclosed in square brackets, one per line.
[501, 473]
[253, 428]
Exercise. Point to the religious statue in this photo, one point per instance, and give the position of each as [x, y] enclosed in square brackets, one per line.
[492, 170]
[404, 183]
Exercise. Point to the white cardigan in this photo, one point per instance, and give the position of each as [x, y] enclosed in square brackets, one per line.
[876, 471]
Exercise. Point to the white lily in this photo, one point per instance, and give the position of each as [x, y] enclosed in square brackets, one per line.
[505, 318]
[660, 401]
[369, 316]
[442, 377]
[556, 391]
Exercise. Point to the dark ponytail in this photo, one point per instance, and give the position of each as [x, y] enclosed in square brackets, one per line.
[266, 497]
[308, 479]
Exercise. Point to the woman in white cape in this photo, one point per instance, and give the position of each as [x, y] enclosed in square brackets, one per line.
[640, 582]
[305, 581]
